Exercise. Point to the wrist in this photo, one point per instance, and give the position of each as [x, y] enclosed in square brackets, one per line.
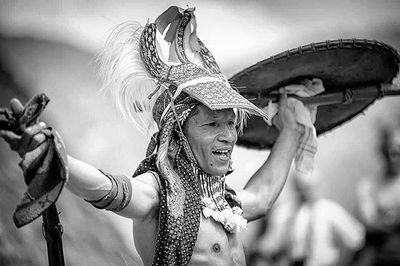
[293, 132]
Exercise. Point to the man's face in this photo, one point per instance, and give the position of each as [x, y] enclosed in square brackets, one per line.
[211, 136]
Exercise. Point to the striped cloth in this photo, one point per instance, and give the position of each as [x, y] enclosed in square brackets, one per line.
[305, 115]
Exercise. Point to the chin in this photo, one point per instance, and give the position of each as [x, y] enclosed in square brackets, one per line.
[217, 172]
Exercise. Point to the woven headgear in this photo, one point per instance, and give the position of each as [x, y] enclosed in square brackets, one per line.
[200, 76]
[138, 64]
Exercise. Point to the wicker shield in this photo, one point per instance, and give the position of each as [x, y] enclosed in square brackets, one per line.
[347, 68]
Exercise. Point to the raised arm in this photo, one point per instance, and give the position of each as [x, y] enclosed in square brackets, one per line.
[264, 186]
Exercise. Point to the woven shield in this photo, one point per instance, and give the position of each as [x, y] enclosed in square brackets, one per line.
[351, 70]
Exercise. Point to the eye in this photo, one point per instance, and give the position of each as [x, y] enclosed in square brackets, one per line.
[211, 124]
[233, 124]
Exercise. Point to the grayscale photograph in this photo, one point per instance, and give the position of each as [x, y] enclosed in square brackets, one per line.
[200, 133]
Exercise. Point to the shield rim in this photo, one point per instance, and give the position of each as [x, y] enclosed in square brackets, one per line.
[383, 50]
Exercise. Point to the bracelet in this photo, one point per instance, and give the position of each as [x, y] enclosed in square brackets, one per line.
[119, 195]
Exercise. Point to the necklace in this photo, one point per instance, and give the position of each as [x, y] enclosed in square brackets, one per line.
[214, 204]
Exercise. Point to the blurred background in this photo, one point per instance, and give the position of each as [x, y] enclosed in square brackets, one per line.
[49, 46]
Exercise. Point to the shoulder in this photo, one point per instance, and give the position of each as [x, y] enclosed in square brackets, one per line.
[145, 197]
[149, 178]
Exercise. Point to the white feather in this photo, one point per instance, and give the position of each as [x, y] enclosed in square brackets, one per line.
[125, 77]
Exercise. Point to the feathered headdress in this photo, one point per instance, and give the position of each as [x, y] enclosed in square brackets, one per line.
[138, 64]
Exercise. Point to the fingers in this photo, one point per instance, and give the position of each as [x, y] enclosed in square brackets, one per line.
[33, 160]
[283, 97]
[286, 114]
[283, 101]
[11, 138]
[276, 121]
[16, 107]
[31, 138]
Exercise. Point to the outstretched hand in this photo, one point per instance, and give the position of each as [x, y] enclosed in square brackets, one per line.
[31, 137]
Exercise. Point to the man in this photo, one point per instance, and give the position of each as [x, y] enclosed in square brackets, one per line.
[379, 204]
[309, 230]
[182, 211]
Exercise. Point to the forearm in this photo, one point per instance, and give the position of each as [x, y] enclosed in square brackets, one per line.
[86, 181]
[267, 183]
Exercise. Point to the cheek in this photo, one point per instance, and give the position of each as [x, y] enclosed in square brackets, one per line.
[235, 133]
[196, 144]
[201, 149]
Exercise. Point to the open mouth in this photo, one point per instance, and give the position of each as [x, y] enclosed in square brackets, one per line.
[223, 154]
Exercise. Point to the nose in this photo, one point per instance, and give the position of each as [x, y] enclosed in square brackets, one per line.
[228, 134]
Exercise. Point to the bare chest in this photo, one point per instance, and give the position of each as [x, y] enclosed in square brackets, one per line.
[214, 246]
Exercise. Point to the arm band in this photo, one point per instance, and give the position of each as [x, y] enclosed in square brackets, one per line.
[119, 195]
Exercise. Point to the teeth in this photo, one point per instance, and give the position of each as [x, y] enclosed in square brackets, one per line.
[224, 153]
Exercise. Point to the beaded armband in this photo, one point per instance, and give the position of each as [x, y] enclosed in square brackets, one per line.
[119, 195]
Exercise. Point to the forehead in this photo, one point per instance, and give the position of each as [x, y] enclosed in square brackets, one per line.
[203, 112]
